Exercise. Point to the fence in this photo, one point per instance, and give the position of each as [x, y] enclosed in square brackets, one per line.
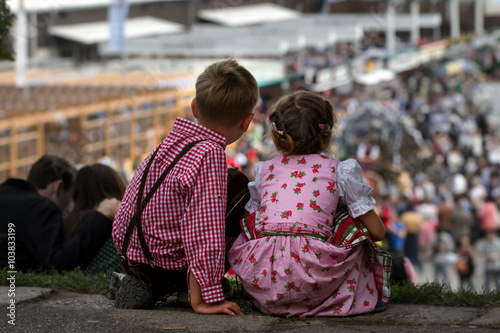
[84, 123]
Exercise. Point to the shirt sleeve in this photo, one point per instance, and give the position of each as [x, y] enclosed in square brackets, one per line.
[254, 187]
[203, 225]
[354, 192]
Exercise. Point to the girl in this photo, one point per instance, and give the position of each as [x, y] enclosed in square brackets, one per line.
[289, 260]
[93, 184]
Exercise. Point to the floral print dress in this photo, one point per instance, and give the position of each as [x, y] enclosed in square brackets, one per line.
[286, 256]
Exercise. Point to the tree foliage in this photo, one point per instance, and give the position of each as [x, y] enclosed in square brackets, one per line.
[6, 21]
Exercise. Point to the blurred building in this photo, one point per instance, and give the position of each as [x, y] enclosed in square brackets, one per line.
[48, 20]
[86, 104]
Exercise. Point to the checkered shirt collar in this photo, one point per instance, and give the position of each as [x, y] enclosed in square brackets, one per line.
[191, 128]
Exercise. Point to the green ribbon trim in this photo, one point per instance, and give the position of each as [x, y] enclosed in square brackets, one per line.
[285, 233]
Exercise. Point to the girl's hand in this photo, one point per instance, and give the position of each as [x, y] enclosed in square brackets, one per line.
[226, 307]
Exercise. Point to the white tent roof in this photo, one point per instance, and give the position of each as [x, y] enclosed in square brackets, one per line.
[378, 22]
[58, 5]
[99, 32]
[270, 39]
[248, 15]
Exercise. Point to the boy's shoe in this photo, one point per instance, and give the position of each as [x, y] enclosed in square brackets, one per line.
[380, 307]
[114, 282]
[132, 294]
[227, 288]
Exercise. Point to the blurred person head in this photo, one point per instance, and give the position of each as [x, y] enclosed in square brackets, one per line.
[93, 184]
[302, 123]
[394, 215]
[405, 183]
[413, 221]
[53, 177]
[463, 202]
[491, 235]
[226, 96]
[465, 241]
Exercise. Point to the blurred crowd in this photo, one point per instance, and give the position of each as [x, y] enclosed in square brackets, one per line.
[429, 143]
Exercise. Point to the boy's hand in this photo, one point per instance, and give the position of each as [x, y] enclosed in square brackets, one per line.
[226, 307]
[200, 306]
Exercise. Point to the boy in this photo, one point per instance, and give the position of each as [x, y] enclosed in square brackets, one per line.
[183, 224]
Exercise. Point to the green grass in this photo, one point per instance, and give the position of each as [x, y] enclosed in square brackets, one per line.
[437, 294]
[75, 280]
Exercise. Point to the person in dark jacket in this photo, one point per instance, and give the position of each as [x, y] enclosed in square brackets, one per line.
[32, 224]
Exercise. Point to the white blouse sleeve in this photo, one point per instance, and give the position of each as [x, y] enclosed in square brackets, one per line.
[354, 192]
[254, 187]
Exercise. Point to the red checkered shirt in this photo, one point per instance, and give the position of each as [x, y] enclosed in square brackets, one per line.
[183, 224]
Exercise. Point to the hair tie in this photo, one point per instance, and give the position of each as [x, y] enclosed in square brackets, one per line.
[321, 126]
[276, 129]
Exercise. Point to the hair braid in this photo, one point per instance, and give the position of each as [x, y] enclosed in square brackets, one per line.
[302, 123]
[280, 134]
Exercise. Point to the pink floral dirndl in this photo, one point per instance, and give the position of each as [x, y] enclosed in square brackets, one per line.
[300, 254]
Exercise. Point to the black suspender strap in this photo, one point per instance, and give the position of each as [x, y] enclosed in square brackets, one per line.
[141, 204]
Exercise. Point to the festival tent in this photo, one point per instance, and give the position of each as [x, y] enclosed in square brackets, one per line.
[99, 32]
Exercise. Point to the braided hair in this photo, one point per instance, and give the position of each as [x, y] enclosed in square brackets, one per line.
[302, 123]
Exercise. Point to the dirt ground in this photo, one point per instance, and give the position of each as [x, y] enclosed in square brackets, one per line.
[74, 312]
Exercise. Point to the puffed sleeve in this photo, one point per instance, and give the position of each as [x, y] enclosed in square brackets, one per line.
[254, 187]
[354, 192]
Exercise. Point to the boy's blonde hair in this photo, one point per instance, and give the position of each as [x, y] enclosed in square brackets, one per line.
[302, 123]
[225, 93]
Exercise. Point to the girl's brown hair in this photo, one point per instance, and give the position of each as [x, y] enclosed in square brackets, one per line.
[302, 123]
[93, 183]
